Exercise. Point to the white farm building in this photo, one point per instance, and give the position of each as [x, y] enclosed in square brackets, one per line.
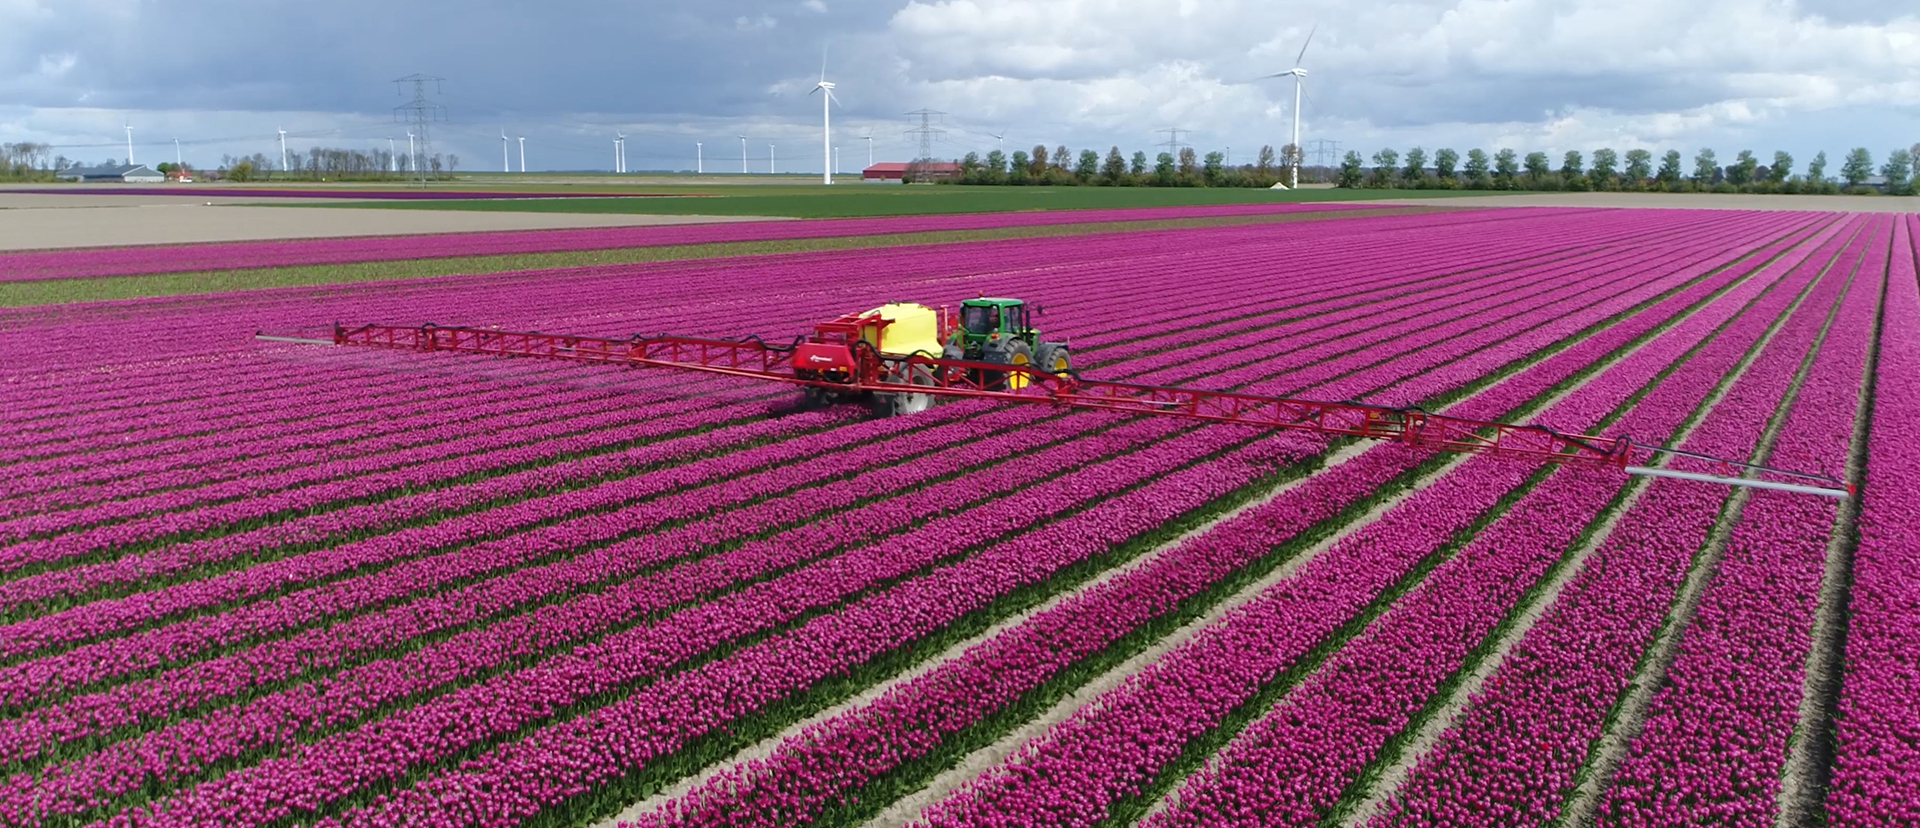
[127, 173]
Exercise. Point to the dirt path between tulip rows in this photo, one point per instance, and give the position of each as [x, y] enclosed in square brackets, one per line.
[1583, 805]
[1803, 783]
[1459, 703]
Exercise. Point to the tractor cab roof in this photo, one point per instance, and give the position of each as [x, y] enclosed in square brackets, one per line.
[990, 302]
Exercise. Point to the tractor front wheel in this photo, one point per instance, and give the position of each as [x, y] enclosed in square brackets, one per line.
[1052, 358]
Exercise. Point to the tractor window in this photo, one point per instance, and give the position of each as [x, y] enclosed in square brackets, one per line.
[1017, 319]
[980, 320]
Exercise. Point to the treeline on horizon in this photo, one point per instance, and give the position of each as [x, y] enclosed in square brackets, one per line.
[28, 161]
[1635, 171]
[1608, 170]
[1060, 167]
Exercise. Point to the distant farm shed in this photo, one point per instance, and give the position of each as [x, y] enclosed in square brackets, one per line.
[129, 173]
[929, 171]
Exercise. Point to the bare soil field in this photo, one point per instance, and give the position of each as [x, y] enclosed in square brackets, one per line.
[1692, 201]
[30, 222]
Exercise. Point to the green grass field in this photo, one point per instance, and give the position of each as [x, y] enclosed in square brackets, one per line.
[852, 199]
[67, 291]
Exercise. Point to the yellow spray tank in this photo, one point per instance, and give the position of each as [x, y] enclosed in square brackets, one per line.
[912, 327]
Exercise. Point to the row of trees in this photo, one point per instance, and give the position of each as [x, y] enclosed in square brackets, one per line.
[1061, 167]
[335, 164]
[28, 161]
[1635, 171]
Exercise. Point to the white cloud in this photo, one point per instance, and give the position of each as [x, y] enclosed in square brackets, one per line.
[815, 6]
[1571, 75]
[761, 23]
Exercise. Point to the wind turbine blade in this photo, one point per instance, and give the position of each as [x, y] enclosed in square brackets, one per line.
[1303, 46]
[830, 97]
[823, 61]
[816, 88]
[1274, 75]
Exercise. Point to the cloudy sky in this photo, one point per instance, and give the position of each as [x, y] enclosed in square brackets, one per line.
[1555, 75]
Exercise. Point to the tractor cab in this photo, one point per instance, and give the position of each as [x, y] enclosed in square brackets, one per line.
[1001, 331]
[982, 320]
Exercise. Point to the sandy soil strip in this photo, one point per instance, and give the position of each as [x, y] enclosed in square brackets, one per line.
[1458, 704]
[1803, 783]
[1583, 805]
[195, 221]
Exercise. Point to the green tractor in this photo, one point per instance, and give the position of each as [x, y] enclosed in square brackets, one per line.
[999, 331]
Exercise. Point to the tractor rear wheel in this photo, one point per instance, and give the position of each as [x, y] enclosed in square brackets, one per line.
[1009, 352]
[887, 404]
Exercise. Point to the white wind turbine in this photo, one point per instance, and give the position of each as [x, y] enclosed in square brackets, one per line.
[826, 121]
[1299, 83]
[506, 166]
[523, 153]
[283, 148]
[129, 145]
[1000, 141]
[869, 138]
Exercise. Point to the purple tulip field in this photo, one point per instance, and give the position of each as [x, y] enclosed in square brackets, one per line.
[252, 583]
[36, 265]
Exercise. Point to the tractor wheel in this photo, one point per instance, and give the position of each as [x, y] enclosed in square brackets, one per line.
[1052, 358]
[903, 404]
[1009, 352]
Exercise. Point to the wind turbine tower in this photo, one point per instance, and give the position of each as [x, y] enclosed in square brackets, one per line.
[1299, 85]
[129, 145]
[523, 153]
[506, 166]
[743, 155]
[869, 138]
[283, 148]
[826, 122]
[699, 158]
[393, 161]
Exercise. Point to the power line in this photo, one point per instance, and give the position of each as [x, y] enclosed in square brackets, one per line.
[421, 112]
[1173, 142]
[926, 132]
[1324, 151]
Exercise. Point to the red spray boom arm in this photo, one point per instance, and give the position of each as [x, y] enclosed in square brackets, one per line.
[837, 358]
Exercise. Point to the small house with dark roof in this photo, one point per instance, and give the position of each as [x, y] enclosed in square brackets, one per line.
[124, 173]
